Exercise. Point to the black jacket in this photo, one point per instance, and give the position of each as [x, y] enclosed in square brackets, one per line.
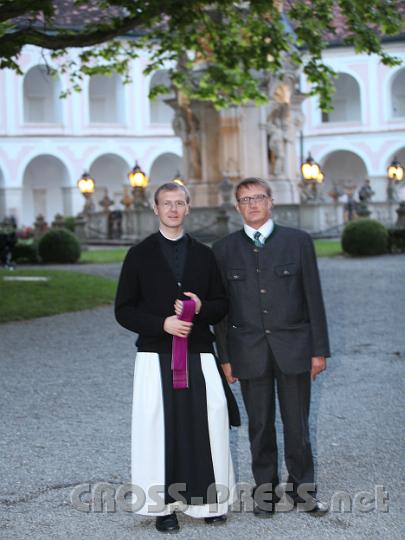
[275, 300]
[147, 291]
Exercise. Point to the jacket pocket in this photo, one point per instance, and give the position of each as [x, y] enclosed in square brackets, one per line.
[285, 270]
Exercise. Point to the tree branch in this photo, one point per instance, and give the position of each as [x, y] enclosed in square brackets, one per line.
[55, 39]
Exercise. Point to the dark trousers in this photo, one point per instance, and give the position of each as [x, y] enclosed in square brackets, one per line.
[294, 392]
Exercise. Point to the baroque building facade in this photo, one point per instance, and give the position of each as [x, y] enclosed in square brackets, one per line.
[47, 143]
[359, 139]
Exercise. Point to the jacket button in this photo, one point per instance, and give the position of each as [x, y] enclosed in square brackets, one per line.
[263, 291]
[265, 311]
[268, 331]
[235, 276]
[255, 250]
[286, 272]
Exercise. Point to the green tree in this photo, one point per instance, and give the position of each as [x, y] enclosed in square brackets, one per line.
[218, 51]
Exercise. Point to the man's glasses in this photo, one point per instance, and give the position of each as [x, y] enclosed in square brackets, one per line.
[173, 204]
[256, 199]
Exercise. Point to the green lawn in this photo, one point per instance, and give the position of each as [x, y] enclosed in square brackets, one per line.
[115, 255]
[324, 248]
[328, 248]
[74, 291]
[65, 291]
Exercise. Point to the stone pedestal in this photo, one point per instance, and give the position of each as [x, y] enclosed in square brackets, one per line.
[58, 222]
[137, 223]
[40, 227]
[310, 217]
[80, 229]
[222, 223]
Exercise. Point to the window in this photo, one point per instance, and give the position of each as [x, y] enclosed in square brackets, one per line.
[41, 97]
[398, 95]
[106, 100]
[160, 112]
[345, 101]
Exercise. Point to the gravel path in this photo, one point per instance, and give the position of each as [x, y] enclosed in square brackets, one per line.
[65, 395]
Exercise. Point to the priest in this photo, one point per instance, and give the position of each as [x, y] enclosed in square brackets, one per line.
[169, 293]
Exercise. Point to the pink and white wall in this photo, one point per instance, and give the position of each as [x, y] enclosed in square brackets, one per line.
[46, 143]
[366, 130]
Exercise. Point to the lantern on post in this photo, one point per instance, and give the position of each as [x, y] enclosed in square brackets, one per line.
[395, 171]
[86, 185]
[395, 175]
[139, 182]
[312, 175]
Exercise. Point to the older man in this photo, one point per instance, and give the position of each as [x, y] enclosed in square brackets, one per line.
[169, 292]
[274, 336]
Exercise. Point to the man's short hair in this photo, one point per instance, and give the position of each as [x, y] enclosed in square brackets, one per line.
[253, 181]
[171, 186]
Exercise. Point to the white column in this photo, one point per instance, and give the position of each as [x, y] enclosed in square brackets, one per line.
[76, 200]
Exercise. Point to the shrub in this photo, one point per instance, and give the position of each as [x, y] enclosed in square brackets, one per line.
[25, 251]
[59, 246]
[396, 240]
[70, 223]
[365, 237]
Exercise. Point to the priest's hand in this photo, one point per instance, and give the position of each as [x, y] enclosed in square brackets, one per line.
[178, 306]
[227, 369]
[318, 364]
[197, 301]
[176, 327]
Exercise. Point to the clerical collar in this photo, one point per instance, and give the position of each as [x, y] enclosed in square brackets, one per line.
[265, 230]
[172, 239]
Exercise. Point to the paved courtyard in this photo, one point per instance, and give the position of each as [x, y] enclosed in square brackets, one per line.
[65, 397]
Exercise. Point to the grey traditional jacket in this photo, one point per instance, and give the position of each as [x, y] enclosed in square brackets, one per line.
[275, 301]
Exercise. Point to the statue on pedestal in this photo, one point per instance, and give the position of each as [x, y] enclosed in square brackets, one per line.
[126, 200]
[106, 202]
[276, 148]
[280, 129]
[365, 195]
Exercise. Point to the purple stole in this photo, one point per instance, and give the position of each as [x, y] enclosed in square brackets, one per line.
[179, 349]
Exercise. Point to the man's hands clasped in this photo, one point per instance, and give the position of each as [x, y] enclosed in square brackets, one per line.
[178, 305]
[176, 327]
[173, 325]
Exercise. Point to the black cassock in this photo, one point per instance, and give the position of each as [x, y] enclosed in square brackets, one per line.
[180, 438]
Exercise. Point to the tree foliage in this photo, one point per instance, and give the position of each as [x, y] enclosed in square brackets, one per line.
[220, 51]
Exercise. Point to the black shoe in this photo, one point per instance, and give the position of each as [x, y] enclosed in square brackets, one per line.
[312, 506]
[215, 520]
[262, 513]
[167, 524]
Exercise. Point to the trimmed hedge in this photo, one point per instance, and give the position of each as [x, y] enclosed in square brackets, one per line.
[25, 251]
[59, 246]
[365, 236]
